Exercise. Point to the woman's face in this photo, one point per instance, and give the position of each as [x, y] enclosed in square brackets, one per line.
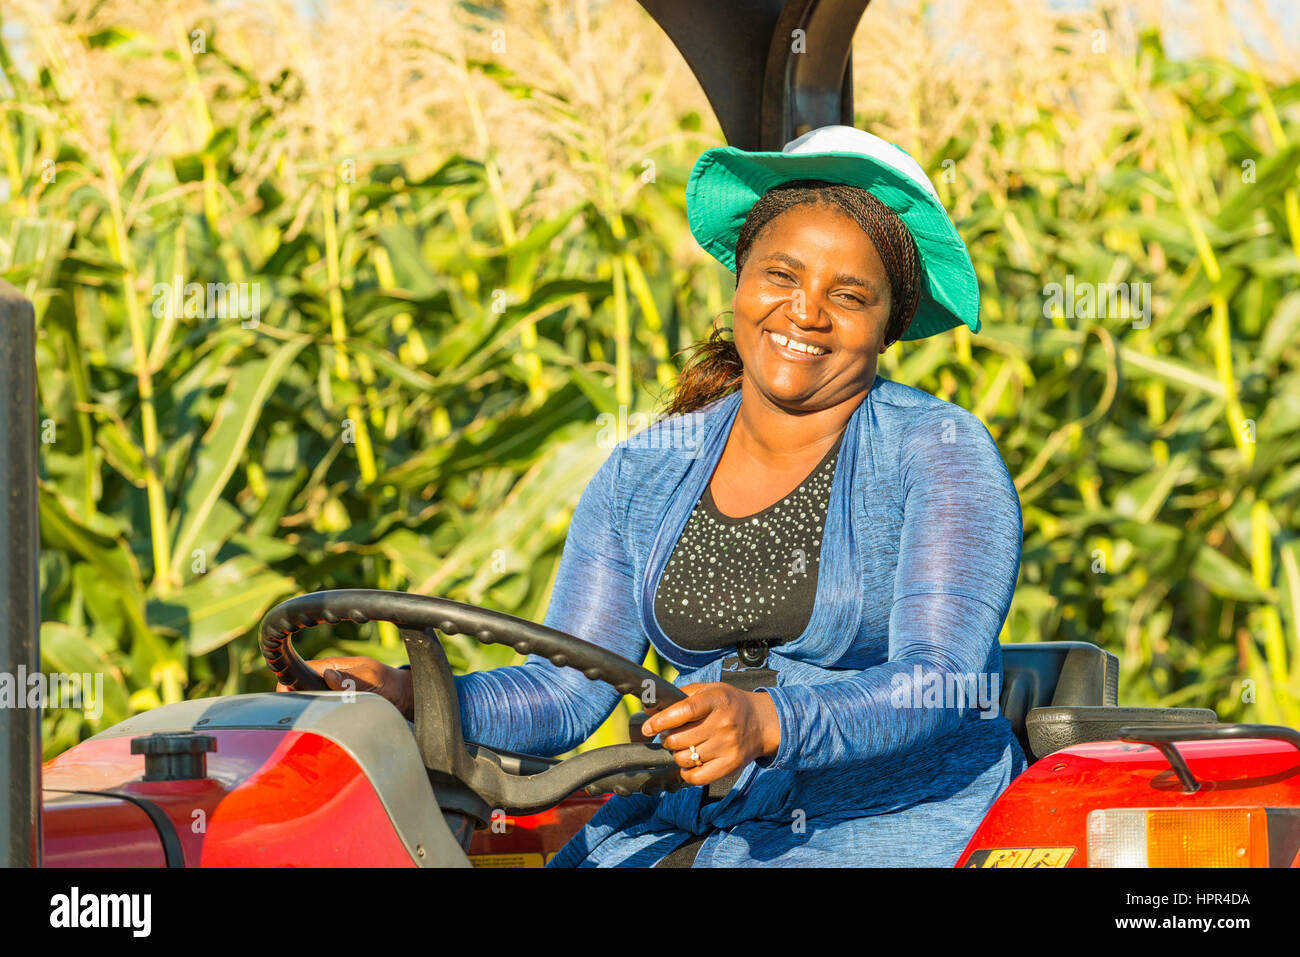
[813, 279]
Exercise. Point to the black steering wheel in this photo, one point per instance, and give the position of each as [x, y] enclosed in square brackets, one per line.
[496, 780]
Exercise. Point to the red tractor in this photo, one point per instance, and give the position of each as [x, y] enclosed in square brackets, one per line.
[325, 778]
[259, 778]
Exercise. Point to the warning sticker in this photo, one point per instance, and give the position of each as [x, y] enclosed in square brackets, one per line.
[506, 860]
[1021, 857]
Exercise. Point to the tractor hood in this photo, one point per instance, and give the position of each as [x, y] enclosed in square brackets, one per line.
[327, 779]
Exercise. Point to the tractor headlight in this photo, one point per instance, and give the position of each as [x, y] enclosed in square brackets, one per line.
[1178, 837]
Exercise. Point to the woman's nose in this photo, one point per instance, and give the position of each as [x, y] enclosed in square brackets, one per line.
[803, 309]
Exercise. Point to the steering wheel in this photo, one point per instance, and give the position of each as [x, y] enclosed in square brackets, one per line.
[454, 764]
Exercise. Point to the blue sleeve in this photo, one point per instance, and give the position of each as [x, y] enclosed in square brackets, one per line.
[536, 707]
[959, 556]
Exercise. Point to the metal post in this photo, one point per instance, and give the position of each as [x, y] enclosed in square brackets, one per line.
[20, 726]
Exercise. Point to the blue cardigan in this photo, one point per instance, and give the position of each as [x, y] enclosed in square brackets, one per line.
[887, 756]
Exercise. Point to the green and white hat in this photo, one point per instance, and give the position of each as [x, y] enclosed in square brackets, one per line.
[726, 182]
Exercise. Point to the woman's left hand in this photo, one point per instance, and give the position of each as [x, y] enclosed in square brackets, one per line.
[728, 727]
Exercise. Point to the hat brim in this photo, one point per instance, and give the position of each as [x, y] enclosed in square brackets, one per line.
[726, 182]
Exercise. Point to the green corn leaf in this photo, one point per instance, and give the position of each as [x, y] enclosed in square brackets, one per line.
[222, 447]
[66, 650]
[1224, 577]
[220, 605]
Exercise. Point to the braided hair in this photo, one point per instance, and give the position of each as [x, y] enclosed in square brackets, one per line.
[714, 368]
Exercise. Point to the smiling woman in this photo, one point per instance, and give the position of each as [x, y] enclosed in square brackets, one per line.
[832, 544]
[836, 539]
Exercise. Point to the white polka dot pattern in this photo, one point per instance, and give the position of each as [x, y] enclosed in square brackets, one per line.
[750, 578]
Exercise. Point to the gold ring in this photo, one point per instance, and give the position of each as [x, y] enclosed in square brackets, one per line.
[695, 756]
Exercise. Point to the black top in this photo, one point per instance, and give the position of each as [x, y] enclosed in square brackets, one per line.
[747, 578]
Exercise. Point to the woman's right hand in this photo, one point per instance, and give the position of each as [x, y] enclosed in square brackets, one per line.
[367, 674]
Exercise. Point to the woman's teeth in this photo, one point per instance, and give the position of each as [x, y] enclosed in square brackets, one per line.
[798, 346]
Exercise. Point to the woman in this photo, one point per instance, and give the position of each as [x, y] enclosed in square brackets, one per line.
[826, 556]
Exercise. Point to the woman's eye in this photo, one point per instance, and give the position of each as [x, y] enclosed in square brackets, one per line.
[848, 296]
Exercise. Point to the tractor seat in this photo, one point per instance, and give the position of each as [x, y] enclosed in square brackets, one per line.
[1060, 693]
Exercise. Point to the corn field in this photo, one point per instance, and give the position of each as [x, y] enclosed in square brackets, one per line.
[363, 299]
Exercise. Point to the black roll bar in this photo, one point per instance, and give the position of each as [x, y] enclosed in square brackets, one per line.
[767, 81]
